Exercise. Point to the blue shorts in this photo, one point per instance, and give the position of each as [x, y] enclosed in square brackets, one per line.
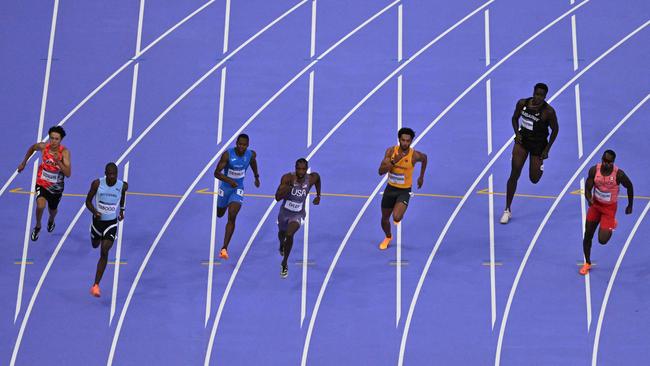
[228, 195]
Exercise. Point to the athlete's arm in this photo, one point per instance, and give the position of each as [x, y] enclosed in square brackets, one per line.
[218, 171]
[284, 188]
[64, 163]
[315, 180]
[36, 147]
[386, 164]
[254, 169]
[515, 119]
[422, 158]
[589, 185]
[627, 183]
[555, 128]
[94, 186]
[125, 187]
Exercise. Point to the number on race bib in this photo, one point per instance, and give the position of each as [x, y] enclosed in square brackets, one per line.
[293, 206]
[220, 192]
[240, 192]
[50, 177]
[236, 173]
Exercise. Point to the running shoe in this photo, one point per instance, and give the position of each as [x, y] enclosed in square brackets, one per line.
[506, 216]
[35, 232]
[95, 290]
[585, 269]
[285, 272]
[223, 253]
[50, 226]
[384, 244]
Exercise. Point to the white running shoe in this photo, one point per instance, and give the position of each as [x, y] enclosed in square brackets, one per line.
[505, 217]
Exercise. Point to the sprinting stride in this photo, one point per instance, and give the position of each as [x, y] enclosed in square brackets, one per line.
[231, 171]
[601, 192]
[102, 201]
[293, 192]
[50, 180]
[531, 121]
[399, 162]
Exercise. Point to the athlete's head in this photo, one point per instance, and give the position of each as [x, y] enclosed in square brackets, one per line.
[56, 133]
[301, 167]
[539, 93]
[242, 143]
[609, 156]
[405, 136]
[111, 173]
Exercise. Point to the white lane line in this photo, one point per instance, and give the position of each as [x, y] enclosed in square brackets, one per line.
[310, 109]
[574, 42]
[398, 275]
[488, 97]
[39, 134]
[610, 285]
[578, 119]
[400, 32]
[118, 255]
[222, 97]
[583, 211]
[312, 46]
[513, 290]
[305, 259]
[493, 288]
[208, 353]
[213, 233]
[111, 77]
[487, 36]
[226, 27]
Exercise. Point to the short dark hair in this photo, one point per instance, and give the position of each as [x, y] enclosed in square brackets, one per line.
[110, 165]
[243, 136]
[610, 152]
[57, 129]
[542, 86]
[302, 161]
[406, 131]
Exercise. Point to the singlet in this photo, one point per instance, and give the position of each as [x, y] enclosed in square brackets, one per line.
[108, 198]
[401, 174]
[237, 165]
[49, 175]
[606, 186]
[295, 201]
[531, 123]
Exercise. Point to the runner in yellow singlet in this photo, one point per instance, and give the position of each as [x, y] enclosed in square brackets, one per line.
[399, 162]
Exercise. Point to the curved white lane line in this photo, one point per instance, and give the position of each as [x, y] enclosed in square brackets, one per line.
[112, 76]
[513, 290]
[125, 154]
[610, 285]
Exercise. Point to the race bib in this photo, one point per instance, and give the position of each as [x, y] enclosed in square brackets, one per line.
[240, 192]
[396, 178]
[602, 196]
[236, 173]
[293, 206]
[49, 176]
[527, 124]
[106, 208]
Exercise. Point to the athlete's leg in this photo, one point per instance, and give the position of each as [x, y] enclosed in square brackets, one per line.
[221, 211]
[41, 202]
[535, 168]
[399, 211]
[281, 236]
[233, 210]
[590, 229]
[604, 235]
[519, 155]
[385, 221]
[103, 259]
[292, 227]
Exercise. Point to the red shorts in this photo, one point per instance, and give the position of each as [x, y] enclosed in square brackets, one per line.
[604, 214]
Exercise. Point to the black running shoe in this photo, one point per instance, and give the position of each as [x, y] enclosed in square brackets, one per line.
[35, 232]
[50, 226]
[285, 272]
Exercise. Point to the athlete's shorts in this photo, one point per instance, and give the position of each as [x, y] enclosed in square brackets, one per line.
[52, 199]
[103, 230]
[603, 214]
[534, 146]
[286, 216]
[228, 195]
[393, 195]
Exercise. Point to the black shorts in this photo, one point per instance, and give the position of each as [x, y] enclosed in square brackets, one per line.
[393, 195]
[52, 199]
[103, 230]
[534, 146]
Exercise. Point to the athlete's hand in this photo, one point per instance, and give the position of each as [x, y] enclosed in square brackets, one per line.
[420, 182]
[97, 215]
[21, 166]
[316, 200]
[518, 139]
[628, 209]
[232, 183]
[399, 156]
[257, 182]
[590, 201]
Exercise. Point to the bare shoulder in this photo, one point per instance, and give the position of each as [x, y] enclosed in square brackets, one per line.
[253, 154]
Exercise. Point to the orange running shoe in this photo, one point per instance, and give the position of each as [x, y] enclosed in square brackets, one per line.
[95, 290]
[384, 244]
[585, 269]
[223, 253]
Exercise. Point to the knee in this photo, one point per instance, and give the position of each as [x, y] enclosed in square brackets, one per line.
[232, 219]
[602, 241]
[534, 178]
[95, 243]
[398, 217]
[220, 213]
